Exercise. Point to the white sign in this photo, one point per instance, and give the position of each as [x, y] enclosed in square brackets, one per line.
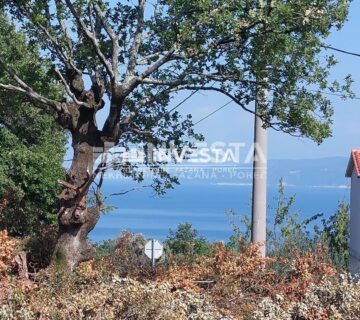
[154, 250]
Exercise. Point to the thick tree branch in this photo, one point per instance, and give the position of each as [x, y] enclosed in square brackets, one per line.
[140, 132]
[69, 92]
[112, 122]
[114, 39]
[27, 90]
[147, 59]
[163, 82]
[91, 36]
[65, 31]
[137, 40]
[36, 98]
[157, 65]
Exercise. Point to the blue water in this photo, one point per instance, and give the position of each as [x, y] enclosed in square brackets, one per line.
[203, 205]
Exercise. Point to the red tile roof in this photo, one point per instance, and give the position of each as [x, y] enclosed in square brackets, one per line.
[354, 162]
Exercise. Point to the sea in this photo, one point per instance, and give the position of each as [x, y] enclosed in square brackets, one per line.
[206, 205]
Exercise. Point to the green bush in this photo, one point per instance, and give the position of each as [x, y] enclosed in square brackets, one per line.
[185, 244]
[287, 232]
[335, 235]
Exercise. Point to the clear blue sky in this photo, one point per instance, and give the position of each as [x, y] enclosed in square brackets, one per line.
[233, 124]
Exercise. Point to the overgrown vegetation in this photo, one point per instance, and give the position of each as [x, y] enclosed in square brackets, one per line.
[120, 285]
[287, 231]
[304, 276]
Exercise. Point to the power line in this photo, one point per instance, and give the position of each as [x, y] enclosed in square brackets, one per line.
[210, 114]
[187, 98]
[343, 51]
[226, 104]
[183, 101]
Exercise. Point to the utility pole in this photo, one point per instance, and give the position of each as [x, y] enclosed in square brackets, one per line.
[259, 192]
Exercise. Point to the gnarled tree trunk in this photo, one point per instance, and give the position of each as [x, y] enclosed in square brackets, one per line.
[75, 219]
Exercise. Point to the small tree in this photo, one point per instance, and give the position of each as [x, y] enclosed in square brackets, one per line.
[186, 243]
[288, 232]
[137, 58]
[335, 234]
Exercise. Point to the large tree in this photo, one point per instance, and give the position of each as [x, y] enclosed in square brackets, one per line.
[138, 56]
[32, 145]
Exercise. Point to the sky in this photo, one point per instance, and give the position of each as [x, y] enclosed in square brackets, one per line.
[232, 124]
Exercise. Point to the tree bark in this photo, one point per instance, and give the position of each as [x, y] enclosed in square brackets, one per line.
[75, 219]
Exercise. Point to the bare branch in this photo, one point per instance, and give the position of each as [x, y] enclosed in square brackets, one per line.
[65, 31]
[91, 20]
[36, 98]
[163, 82]
[91, 36]
[45, 30]
[69, 92]
[115, 41]
[137, 39]
[27, 90]
[127, 191]
[157, 65]
[140, 132]
[146, 59]
[226, 77]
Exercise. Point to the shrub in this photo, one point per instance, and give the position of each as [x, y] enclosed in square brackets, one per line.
[8, 247]
[241, 285]
[335, 234]
[104, 248]
[335, 297]
[128, 257]
[185, 244]
[240, 281]
[40, 248]
[60, 295]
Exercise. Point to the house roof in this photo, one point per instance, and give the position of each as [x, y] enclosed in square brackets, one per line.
[354, 162]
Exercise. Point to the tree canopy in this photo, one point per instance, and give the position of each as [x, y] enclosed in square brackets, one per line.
[148, 51]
